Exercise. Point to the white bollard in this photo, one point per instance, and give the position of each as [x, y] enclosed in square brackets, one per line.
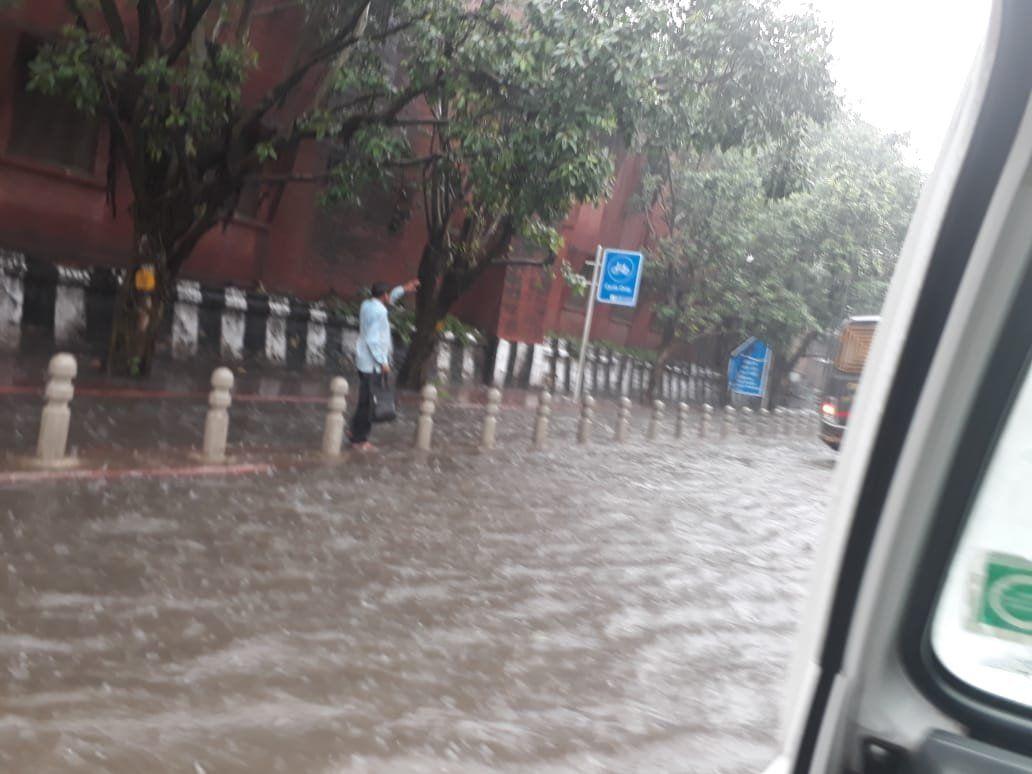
[728, 422]
[333, 432]
[704, 419]
[425, 423]
[216, 423]
[541, 423]
[623, 419]
[487, 438]
[780, 422]
[586, 415]
[745, 425]
[682, 420]
[802, 422]
[53, 426]
[652, 432]
[765, 427]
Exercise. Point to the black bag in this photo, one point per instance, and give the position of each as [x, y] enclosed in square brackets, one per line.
[384, 407]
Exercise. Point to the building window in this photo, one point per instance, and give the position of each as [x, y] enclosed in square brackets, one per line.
[48, 128]
[250, 202]
[624, 315]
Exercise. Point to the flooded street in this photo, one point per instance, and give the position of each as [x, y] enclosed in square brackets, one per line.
[609, 608]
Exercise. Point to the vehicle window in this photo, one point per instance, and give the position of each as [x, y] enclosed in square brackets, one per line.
[982, 629]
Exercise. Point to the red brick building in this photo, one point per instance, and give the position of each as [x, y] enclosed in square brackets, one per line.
[53, 206]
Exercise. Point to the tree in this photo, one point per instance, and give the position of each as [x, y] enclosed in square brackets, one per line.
[834, 245]
[738, 262]
[736, 75]
[513, 146]
[513, 138]
[169, 79]
[699, 272]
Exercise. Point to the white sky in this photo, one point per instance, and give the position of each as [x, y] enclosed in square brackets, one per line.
[901, 64]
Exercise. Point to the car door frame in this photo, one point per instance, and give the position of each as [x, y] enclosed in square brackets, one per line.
[950, 219]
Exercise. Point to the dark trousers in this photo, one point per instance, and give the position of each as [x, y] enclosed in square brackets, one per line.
[362, 419]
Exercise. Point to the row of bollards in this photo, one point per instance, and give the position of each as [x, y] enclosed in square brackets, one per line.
[746, 422]
[51, 450]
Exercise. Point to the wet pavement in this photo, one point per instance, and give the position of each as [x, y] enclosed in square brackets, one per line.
[591, 609]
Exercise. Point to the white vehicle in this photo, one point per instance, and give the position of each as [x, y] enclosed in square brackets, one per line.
[916, 655]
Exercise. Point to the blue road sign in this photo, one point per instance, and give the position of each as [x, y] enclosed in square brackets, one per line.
[747, 368]
[620, 278]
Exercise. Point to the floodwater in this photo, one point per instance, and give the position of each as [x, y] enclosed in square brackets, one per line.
[609, 608]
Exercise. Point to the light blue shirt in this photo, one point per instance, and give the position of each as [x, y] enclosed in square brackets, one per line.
[374, 333]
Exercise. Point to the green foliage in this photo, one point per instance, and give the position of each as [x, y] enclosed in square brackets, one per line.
[504, 116]
[729, 73]
[403, 321]
[187, 105]
[839, 240]
[739, 263]
[516, 133]
[169, 78]
[576, 282]
[636, 353]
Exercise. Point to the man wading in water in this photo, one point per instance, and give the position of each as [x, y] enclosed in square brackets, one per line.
[373, 354]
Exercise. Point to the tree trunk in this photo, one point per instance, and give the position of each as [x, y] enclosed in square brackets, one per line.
[414, 371]
[416, 368]
[441, 283]
[666, 349]
[138, 315]
[784, 366]
[719, 364]
[778, 377]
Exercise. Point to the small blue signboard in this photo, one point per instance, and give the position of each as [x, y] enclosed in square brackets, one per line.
[620, 278]
[747, 368]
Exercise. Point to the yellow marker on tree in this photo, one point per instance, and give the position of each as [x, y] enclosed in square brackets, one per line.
[144, 280]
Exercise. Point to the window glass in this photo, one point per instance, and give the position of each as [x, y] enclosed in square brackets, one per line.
[47, 128]
[622, 314]
[982, 629]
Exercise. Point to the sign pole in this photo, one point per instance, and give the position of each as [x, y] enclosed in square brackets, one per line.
[579, 383]
[765, 402]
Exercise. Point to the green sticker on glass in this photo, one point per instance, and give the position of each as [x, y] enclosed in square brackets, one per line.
[1005, 601]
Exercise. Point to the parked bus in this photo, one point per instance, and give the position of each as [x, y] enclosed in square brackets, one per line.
[841, 375]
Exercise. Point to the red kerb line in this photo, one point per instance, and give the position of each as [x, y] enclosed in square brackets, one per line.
[100, 474]
[129, 393]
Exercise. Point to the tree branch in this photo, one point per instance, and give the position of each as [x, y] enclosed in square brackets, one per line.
[549, 261]
[193, 16]
[244, 22]
[183, 246]
[345, 38]
[325, 177]
[388, 115]
[148, 24]
[76, 11]
[420, 122]
[113, 19]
